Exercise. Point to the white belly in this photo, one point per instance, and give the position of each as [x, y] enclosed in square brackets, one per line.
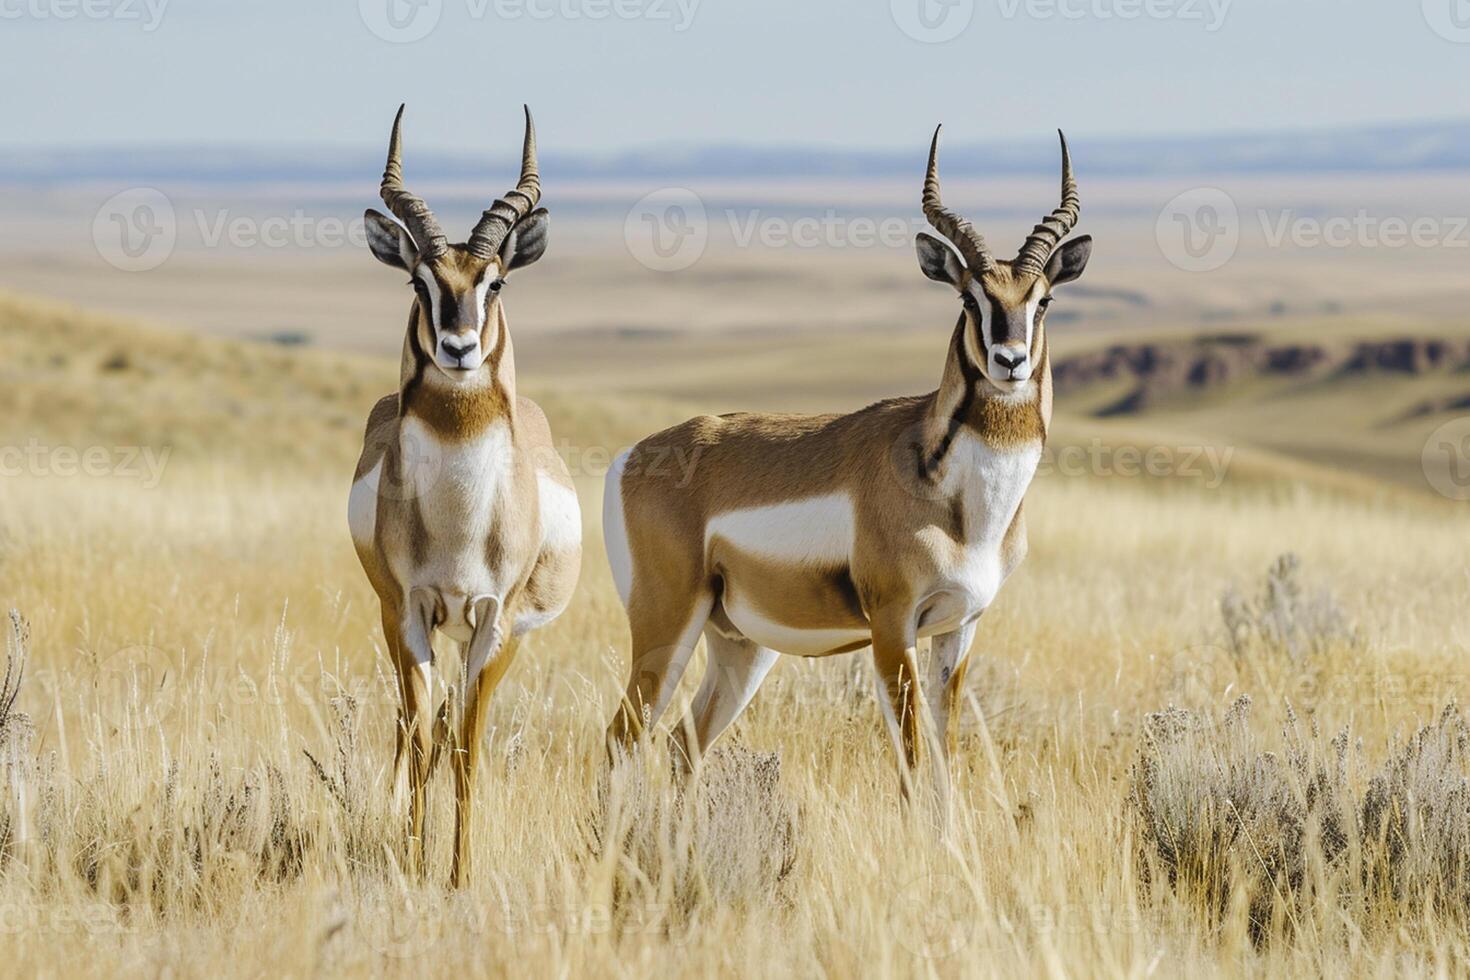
[778, 636]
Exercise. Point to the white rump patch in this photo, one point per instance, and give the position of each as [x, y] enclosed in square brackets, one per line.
[615, 528]
[561, 518]
[816, 530]
[362, 506]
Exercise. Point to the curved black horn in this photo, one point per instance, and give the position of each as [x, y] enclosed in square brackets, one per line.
[948, 223]
[409, 208]
[1045, 237]
[501, 217]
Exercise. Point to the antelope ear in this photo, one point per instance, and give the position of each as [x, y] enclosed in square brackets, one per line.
[938, 261]
[527, 240]
[390, 242]
[1068, 261]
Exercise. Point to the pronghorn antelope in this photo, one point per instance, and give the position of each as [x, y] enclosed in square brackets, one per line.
[816, 535]
[462, 514]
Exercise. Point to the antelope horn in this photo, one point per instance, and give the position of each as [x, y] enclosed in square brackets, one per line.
[1045, 237]
[951, 225]
[502, 216]
[410, 208]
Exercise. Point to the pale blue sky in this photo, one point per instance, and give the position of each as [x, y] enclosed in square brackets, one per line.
[835, 72]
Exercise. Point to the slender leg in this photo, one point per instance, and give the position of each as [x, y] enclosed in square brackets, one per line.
[951, 658]
[948, 661]
[472, 660]
[663, 641]
[735, 671]
[491, 651]
[408, 636]
[897, 677]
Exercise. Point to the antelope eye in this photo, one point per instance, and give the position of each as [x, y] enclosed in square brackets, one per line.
[496, 284]
[1045, 302]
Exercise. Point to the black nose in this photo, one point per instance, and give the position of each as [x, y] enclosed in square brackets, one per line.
[459, 348]
[1008, 362]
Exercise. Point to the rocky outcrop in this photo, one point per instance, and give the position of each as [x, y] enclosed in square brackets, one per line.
[1159, 369]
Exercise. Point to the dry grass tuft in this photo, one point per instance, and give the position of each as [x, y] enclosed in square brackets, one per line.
[16, 732]
[1415, 820]
[726, 836]
[1282, 837]
[1222, 820]
[1285, 620]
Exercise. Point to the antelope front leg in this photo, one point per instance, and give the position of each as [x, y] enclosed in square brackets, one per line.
[491, 651]
[948, 661]
[897, 675]
[414, 660]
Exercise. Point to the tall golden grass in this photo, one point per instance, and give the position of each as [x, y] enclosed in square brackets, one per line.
[197, 762]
